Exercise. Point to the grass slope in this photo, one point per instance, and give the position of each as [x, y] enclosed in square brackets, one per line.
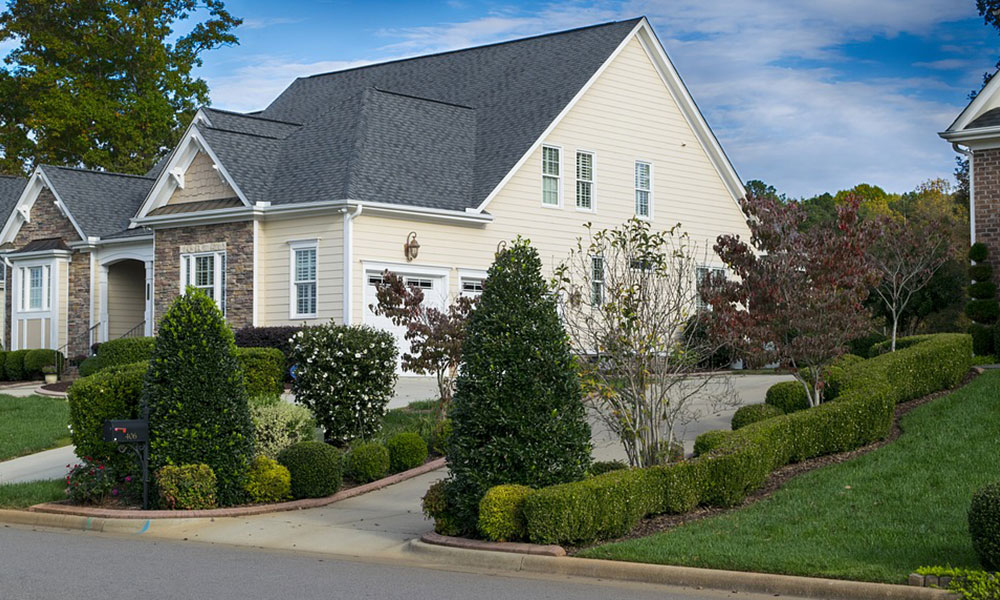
[23, 495]
[875, 518]
[32, 424]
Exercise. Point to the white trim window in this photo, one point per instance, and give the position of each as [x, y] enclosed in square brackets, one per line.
[700, 274]
[597, 280]
[36, 288]
[304, 280]
[207, 272]
[643, 189]
[585, 180]
[472, 286]
[551, 176]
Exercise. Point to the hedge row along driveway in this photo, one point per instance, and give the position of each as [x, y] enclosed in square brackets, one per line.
[611, 505]
[875, 518]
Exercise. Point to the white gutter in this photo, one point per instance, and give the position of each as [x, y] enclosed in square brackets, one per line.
[972, 195]
[349, 259]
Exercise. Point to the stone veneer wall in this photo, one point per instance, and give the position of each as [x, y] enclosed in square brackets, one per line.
[986, 187]
[48, 222]
[238, 240]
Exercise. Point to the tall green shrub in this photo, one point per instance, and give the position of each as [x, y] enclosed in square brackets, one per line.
[518, 415]
[14, 365]
[982, 307]
[197, 400]
[125, 351]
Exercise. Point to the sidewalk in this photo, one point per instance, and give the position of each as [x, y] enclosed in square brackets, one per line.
[50, 464]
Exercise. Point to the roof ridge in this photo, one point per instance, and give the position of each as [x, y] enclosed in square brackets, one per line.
[252, 116]
[479, 47]
[97, 172]
[260, 135]
[424, 98]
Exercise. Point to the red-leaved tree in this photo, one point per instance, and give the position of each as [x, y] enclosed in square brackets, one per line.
[794, 298]
[435, 335]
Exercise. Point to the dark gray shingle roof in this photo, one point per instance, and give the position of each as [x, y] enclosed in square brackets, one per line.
[43, 244]
[10, 190]
[102, 203]
[990, 118]
[438, 131]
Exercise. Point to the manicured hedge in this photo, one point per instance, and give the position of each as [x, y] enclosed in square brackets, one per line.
[125, 351]
[263, 370]
[787, 396]
[36, 360]
[3, 361]
[984, 525]
[14, 365]
[278, 337]
[610, 505]
[752, 413]
[315, 467]
[111, 394]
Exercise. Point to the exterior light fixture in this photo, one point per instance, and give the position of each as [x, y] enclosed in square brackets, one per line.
[411, 247]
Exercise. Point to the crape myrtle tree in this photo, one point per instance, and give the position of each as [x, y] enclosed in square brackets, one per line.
[518, 415]
[795, 298]
[197, 400]
[632, 310]
[435, 336]
[905, 255]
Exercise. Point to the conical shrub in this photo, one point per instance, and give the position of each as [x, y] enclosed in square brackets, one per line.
[198, 411]
[518, 415]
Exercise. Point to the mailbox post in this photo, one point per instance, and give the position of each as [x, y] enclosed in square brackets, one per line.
[132, 434]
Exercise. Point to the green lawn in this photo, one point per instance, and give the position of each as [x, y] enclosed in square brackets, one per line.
[417, 417]
[32, 424]
[875, 518]
[23, 495]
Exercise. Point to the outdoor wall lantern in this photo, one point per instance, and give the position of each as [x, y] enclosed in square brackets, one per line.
[411, 247]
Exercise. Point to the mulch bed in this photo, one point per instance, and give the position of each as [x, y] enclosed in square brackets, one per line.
[59, 386]
[779, 477]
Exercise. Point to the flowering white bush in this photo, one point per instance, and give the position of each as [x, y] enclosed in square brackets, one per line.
[345, 376]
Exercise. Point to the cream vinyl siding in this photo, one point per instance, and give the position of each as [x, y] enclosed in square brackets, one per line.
[201, 183]
[627, 115]
[126, 297]
[275, 267]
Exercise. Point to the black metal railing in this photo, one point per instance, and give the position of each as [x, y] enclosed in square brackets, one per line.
[137, 331]
[61, 352]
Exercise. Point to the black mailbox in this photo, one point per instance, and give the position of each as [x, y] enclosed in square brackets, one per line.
[123, 431]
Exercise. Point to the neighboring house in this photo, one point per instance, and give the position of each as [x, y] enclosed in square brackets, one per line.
[289, 215]
[976, 134]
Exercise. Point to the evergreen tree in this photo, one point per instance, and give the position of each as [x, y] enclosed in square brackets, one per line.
[518, 414]
[197, 401]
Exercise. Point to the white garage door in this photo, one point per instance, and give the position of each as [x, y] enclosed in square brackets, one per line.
[435, 295]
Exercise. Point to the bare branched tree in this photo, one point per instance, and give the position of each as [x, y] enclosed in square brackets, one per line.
[632, 314]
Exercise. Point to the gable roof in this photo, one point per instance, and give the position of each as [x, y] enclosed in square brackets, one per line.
[101, 203]
[438, 131]
[981, 113]
[10, 190]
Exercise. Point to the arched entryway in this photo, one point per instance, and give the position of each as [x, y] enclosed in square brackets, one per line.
[125, 286]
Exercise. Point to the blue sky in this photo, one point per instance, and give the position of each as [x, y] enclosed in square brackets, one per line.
[809, 95]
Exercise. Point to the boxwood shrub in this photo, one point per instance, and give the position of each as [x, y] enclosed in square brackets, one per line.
[187, 487]
[710, 440]
[89, 366]
[367, 461]
[501, 513]
[984, 525]
[268, 481]
[35, 360]
[125, 351]
[14, 365]
[263, 370]
[751, 413]
[601, 467]
[315, 469]
[787, 396]
[3, 361]
[406, 451]
[111, 394]
[610, 505]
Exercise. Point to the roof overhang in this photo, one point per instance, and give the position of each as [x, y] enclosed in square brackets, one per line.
[55, 253]
[22, 208]
[972, 137]
[171, 176]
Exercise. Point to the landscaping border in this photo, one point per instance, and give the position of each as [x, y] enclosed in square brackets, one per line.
[59, 508]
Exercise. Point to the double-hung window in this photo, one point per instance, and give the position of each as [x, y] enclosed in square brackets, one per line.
[206, 271]
[304, 279]
[585, 180]
[551, 176]
[35, 294]
[643, 189]
[701, 274]
[597, 280]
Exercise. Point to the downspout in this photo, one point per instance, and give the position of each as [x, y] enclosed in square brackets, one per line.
[972, 195]
[349, 259]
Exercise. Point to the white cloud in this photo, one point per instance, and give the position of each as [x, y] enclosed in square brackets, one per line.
[261, 23]
[804, 129]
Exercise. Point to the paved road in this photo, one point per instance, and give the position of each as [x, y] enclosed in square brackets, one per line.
[44, 564]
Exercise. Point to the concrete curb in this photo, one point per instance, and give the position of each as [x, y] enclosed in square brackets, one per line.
[514, 547]
[55, 508]
[760, 583]
[40, 391]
